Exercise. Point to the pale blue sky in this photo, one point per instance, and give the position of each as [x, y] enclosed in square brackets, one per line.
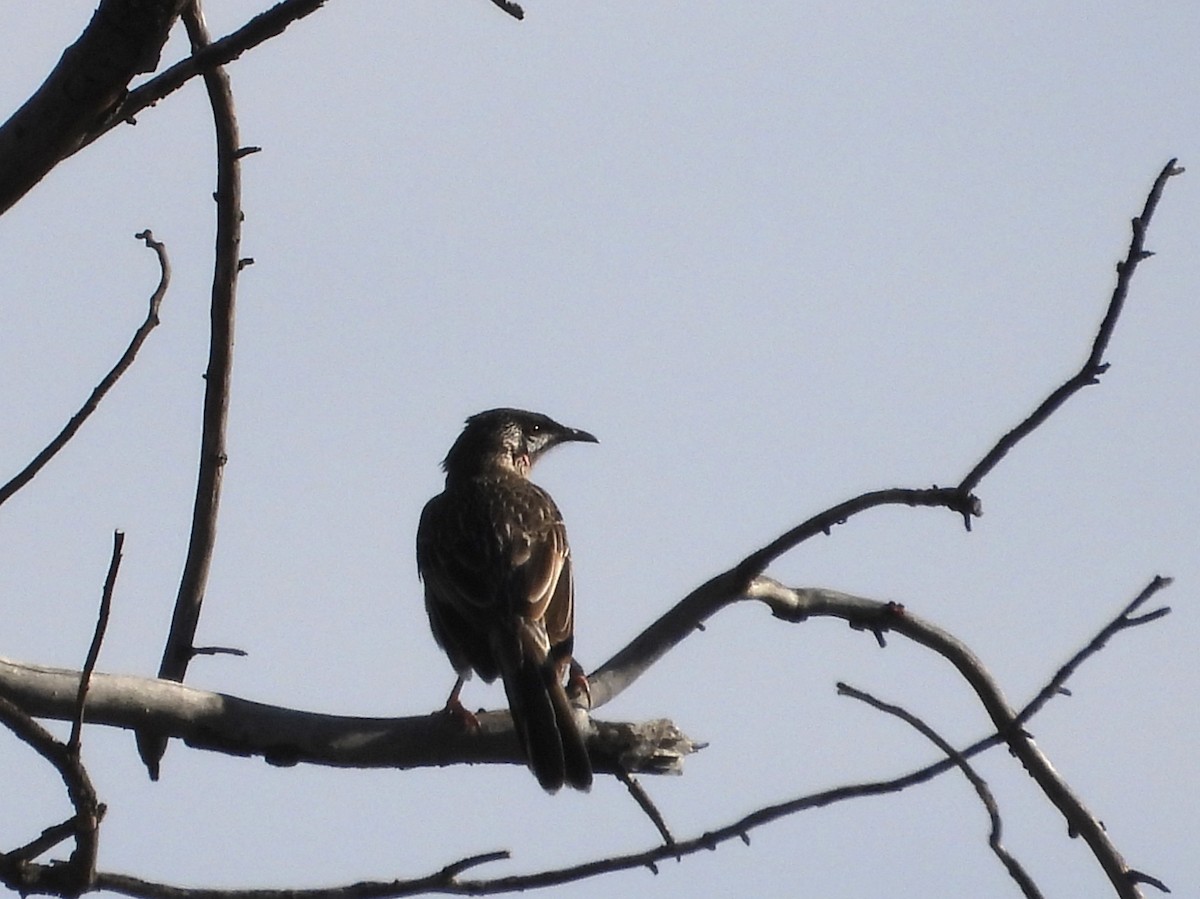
[772, 257]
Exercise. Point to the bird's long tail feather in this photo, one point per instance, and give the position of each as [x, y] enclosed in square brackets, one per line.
[541, 711]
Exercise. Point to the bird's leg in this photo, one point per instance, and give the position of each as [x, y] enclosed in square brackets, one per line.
[457, 711]
[577, 684]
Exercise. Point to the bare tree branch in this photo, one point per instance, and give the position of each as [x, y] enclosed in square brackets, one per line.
[1123, 621]
[646, 804]
[261, 28]
[511, 8]
[77, 874]
[178, 650]
[281, 736]
[619, 672]
[801, 604]
[1093, 366]
[93, 655]
[1015, 869]
[123, 38]
[234, 725]
[797, 604]
[28, 473]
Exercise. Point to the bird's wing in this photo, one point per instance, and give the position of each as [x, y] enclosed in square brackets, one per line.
[490, 554]
[539, 561]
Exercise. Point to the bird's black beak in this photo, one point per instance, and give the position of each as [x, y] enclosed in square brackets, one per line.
[577, 436]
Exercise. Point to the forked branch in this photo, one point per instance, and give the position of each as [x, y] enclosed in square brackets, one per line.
[619, 672]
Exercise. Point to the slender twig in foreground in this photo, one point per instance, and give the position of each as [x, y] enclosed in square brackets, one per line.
[646, 804]
[982, 790]
[78, 874]
[27, 474]
[89, 665]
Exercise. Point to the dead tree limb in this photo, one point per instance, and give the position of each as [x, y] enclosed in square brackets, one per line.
[282, 736]
[259, 29]
[179, 646]
[124, 38]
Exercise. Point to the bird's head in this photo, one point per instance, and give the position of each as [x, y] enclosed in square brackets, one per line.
[507, 440]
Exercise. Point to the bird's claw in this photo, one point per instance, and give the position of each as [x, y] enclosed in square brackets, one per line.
[578, 690]
[460, 714]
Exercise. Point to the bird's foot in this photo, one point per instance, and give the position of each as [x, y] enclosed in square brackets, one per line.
[460, 714]
[578, 690]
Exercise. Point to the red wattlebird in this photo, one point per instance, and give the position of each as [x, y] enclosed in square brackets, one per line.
[492, 551]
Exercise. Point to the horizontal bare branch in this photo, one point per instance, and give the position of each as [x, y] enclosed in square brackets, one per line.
[235, 726]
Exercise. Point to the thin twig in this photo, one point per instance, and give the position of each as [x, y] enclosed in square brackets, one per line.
[79, 872]
[85, 678]
[646, 804]
[452, 870]
[511, 8]
[178, 650]
[218, 651]
[1015, 869]
[1094, 366]
[1123, 621]
[45, 841]
[27, 474]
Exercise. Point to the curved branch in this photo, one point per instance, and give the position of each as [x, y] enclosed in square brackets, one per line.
[29, 472]
[799, 604]
[178, 650]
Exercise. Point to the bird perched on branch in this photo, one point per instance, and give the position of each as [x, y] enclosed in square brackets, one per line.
[492, 551]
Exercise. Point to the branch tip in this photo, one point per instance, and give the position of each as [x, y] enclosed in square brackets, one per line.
[1135, 876]
[218, 651]
[1147, 617]
[453, 869]
[511, 8]
[93, 653]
